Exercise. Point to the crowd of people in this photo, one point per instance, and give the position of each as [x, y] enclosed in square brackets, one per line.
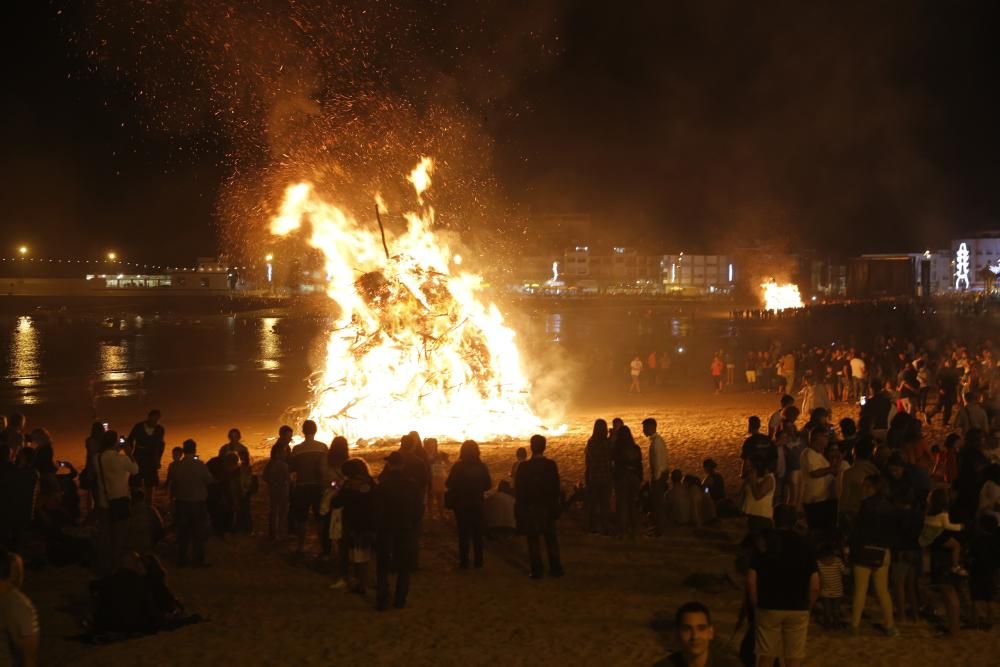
[835, 510]
[831, 510]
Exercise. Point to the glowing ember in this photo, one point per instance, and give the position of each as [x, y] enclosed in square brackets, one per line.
[414, 346]
[780, 297]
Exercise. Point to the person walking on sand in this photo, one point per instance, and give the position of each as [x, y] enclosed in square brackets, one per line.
[635, 369]
[538, 505]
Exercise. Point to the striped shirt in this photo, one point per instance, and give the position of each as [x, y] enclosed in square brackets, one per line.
[831, 578]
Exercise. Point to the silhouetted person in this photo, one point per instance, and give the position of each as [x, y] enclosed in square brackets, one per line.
[147, 440]
[191, 480]
[308, 464]
[468, 480]
[538, 506]
[397, 498]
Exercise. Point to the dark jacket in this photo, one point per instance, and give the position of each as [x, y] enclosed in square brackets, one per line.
[878, 408]
[537, 486]
[357, 498]
[876, 524]
[148, 448]
[627, 461]
[396, 503]
[599, 466]
[467, 482]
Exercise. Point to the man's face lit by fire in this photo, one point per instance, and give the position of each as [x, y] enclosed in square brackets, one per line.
[694, 633]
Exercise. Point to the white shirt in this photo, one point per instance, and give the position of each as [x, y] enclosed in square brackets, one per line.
[815, 489]
[657, 455]
[113, 470]
[636, 367]
[498, 510]
[858, 368]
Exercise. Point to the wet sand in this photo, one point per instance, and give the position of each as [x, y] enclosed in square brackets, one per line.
[614, 606]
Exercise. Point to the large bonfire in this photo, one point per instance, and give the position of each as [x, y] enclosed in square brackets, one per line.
[415, 346]
[780, 296]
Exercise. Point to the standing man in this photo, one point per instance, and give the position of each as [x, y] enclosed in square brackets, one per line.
[858, 388]
[658, 474]
[538, 506]
[635, 368]
[716, 370]
[694, 632]
[113, 501]
[397, 499]
[189, 482]
[147, 441]
[782, 586]
[308, 465]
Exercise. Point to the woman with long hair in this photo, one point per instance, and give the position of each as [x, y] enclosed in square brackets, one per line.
[599, 479]
[627, 466]
[468, 480]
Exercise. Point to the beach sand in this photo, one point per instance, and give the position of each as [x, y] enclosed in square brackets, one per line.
[614, 606]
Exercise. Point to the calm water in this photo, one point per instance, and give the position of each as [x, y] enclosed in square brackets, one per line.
[46, 361]
[259, 365]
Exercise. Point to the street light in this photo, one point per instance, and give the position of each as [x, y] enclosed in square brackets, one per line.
[23, 250]
[112, 256]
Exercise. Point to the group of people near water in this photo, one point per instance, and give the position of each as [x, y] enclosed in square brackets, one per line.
[831, 510]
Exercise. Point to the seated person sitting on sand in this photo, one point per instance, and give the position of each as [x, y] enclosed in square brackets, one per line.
[135, 600]
[702, 507]
[498, 510]
[677, 500]
[715, 487]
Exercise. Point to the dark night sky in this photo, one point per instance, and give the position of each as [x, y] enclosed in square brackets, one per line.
[684, 124]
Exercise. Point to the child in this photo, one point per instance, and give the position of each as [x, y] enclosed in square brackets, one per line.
[985, 562]
[522, 456]
[356, 498]
[439, 473]
[831, 584]
[276, 475]
[938, 529]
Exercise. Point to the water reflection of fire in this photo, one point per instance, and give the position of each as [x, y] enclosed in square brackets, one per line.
[414, 346]
[780, 296]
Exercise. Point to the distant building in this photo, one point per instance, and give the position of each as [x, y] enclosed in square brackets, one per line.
[587, 269]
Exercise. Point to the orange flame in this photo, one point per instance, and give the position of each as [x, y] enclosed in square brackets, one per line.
[780, 296]
[415, 347]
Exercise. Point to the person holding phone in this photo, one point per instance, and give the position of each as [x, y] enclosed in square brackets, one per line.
[113, 465]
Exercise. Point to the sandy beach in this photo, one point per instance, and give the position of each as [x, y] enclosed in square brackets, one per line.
[615, 605]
